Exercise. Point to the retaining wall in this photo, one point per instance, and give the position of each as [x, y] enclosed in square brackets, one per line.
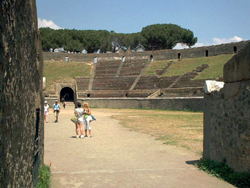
[192, 104]
[214, 50]
[227, 116]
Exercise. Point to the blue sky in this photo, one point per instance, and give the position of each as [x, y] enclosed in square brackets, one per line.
[212, 21]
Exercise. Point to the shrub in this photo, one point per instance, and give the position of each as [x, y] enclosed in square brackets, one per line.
[222, 171]
[44, 177]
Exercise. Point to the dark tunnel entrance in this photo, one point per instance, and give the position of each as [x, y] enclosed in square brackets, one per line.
[67, 94]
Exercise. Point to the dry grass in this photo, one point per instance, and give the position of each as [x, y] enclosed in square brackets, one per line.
[179, 128]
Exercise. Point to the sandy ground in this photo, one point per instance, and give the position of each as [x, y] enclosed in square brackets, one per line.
[117, 157]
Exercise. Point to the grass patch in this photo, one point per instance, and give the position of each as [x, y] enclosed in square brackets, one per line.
[59, 71]
[179, 67]
[178, 128]
[156, 65]
[44, 177]
[222, 171]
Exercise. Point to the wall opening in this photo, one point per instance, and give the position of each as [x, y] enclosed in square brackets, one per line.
[95, 59]
[206, 53]
[36, 150]
[126, 95]
[88, 95]
[235, 49]
[67, 94]
[123, 59]
[151, 58]
[179, 55]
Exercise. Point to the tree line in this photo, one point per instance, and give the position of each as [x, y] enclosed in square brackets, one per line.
[152, 37]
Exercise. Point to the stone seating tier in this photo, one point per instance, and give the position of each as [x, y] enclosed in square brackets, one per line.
[190, 83]
[182, 92]
[153, 82]
[112, 83]
[82, 83]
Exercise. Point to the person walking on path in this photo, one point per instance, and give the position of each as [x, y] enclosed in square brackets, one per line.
[64, 104]
[56, 110]
[79, 125]
[87, 119]
[46, 112]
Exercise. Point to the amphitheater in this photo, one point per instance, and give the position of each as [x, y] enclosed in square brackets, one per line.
[119, 80]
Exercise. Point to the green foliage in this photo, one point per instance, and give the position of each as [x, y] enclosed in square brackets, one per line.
[159, 36]
[222, 171]
[166, 36]
[44, 177]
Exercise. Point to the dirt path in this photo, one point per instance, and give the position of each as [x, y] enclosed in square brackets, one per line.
[117, 157]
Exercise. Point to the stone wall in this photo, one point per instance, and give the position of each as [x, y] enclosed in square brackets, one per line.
[227, 116]
[192, 104]
[157, 55]
[21, 100]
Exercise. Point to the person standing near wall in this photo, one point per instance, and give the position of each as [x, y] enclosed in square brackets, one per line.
[87, 119]
[56, 110]
[46, 112]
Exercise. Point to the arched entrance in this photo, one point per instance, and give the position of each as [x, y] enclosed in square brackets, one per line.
[67, 94]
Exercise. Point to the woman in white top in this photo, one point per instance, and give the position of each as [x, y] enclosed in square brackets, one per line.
[46, 112]
[79, 125]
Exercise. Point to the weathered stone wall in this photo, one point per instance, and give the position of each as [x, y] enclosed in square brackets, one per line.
[192, 104]
[157, 55]
[227, 116]
[21, 100]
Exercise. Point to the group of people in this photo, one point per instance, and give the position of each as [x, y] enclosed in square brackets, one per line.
[56, 111]
[83, 115]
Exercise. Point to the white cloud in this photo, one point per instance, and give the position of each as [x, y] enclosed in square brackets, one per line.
[47, 23]
[225, 40]
[215, 41]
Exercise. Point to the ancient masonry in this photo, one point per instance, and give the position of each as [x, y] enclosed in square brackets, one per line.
[21, 97]
[227, 116]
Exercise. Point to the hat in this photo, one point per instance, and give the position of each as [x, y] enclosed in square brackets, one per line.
[56, 100]
[45, 102]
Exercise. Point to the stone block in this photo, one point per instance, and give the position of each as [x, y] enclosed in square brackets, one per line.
[212, 85]
[238, 68]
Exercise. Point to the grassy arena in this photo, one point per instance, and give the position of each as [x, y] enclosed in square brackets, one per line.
[178, 128]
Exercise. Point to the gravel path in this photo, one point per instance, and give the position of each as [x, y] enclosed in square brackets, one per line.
[117, 157]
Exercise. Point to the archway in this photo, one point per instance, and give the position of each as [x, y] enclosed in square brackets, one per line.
[206, 53]
[151, 58]
[235, 49]
[67, 94]
[179, 55]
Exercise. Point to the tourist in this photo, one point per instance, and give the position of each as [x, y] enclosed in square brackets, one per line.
[46, 112]
[56, 110]
[79, 125]
[87, 118]
[64, 104]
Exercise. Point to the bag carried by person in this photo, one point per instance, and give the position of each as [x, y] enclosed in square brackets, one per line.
[93, 118]
[73, 119]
